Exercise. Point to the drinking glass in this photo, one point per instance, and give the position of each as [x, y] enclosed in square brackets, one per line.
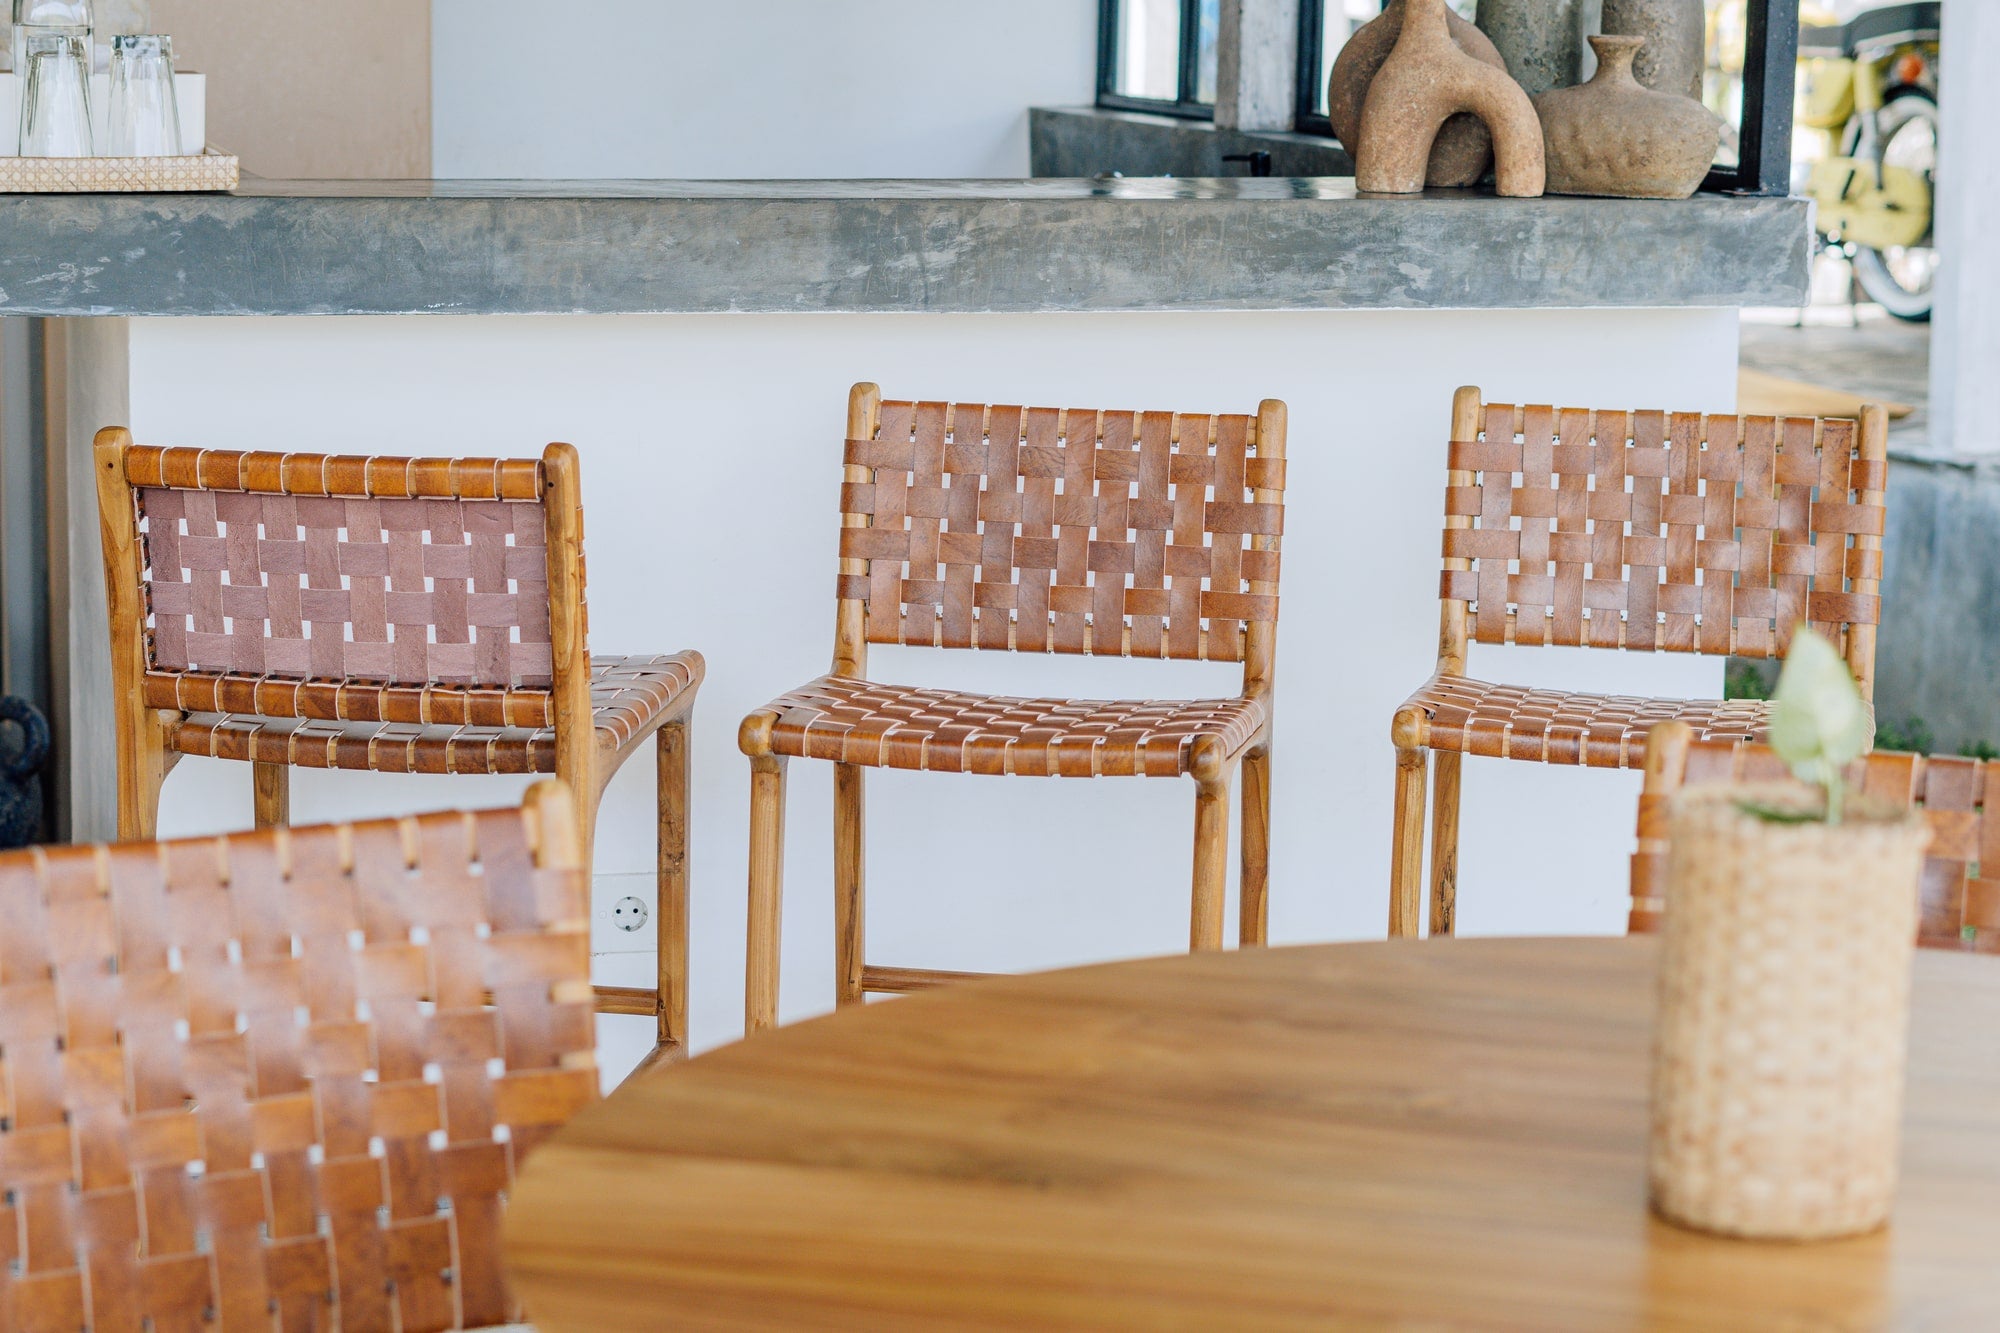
[145, 116]
[66, 17]
[55, 98]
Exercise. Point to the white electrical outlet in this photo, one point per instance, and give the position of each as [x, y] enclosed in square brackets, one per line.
[622, 910]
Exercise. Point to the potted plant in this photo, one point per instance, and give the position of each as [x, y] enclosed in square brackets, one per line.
[1784, 984]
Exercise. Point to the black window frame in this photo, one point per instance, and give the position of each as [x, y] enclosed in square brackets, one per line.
[1770, 65]
[1188, 73]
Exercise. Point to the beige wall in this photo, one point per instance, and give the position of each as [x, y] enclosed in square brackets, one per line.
[312, 88]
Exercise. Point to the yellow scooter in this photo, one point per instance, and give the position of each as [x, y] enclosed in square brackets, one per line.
[1871, 85]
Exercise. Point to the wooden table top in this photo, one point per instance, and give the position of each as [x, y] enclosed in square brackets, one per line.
[1440, 1133]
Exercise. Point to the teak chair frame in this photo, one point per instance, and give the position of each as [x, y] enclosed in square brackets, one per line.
[286, 1078]
[1960, 797]
[1212, 766]
[1854, 618]
[151, 704]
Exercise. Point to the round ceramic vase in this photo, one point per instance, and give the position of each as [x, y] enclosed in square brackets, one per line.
[1615, 138]
[1675, 33]
[1783, 1014]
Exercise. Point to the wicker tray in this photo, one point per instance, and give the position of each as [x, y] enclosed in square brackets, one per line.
[207, 171]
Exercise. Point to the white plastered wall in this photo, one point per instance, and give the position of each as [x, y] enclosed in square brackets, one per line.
[711, 461]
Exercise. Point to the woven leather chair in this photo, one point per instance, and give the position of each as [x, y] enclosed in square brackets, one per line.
[1637, 530]
[387, 614]
[967, 526]
[285, 1079]
[1960, 907]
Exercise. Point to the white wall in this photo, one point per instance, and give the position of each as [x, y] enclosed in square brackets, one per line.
[711, 453]
[751, 88]
[1965, 393]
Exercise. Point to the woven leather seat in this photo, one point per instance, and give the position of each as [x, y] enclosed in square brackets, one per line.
[1959, 895]
[628, 695]
[997, 528]
[1642, 531]
[399, 615]
[844, 720]
[286, 1080]
[1474, 717]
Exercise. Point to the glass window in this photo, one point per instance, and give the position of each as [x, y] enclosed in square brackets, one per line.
[1159, 55]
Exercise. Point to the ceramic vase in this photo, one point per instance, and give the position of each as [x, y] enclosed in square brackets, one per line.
[1783, 1012]
[1463, 151]
[1427, 80]
[1612, 137]
[1541, 40]
[1675, 33]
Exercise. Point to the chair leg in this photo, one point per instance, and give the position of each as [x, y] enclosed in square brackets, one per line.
[1445, 766]
[142, 770]
[849, 860]
[273, 787]
[1406, 858]
[671, 929]
[1256, 798]
[1211, 862]
[767, 874]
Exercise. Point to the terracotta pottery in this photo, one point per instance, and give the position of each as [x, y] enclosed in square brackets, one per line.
[1676, 37]
[1463, 151]
[1541, 40]
[1612, 137]
[1425, 81]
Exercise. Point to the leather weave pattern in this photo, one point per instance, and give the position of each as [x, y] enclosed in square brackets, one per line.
[414, 590]
[1071, 532]
[848, 721]
[1672, 532]
[1959, 904]
[626, 695]
[282, 1080]
[1550, 726]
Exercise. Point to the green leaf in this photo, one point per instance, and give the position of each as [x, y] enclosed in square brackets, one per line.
[1819, 723]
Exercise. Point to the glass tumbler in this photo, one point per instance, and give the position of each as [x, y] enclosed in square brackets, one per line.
[55, 97]
[67, 17]
[145, 116]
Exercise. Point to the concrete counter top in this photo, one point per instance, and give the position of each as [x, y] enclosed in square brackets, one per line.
[646, 247]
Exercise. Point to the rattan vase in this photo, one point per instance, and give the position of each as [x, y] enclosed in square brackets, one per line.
[1784, 1006]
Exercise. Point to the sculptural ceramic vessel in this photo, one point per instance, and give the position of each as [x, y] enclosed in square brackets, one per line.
[1426, 81]
[1541, 40]
[1613, 137]
[1463, 151]
[1676, 37]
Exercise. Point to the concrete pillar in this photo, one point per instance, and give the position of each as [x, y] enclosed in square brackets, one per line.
[86, 386]
[1965, 336]
[1257, 51]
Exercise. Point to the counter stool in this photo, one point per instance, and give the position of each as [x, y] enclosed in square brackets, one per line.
[396, 615]
[286, 1079]
[1960, 798]
[1037, 530]
[1638, 530]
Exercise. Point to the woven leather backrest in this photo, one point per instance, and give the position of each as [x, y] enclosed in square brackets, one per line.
[402, 572]
[1960, 907]
[256, 1082]
[1071, 532]
[1681, 533]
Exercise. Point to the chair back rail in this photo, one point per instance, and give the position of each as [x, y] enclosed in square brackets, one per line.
[1145, 534]
[408, 590]
[285, 1079]
[1656, 531]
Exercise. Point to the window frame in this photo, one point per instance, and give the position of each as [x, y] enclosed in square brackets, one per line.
[1770, 63]
[1188, 71]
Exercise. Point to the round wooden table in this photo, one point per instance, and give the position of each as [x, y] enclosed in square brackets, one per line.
[1434, 1133]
